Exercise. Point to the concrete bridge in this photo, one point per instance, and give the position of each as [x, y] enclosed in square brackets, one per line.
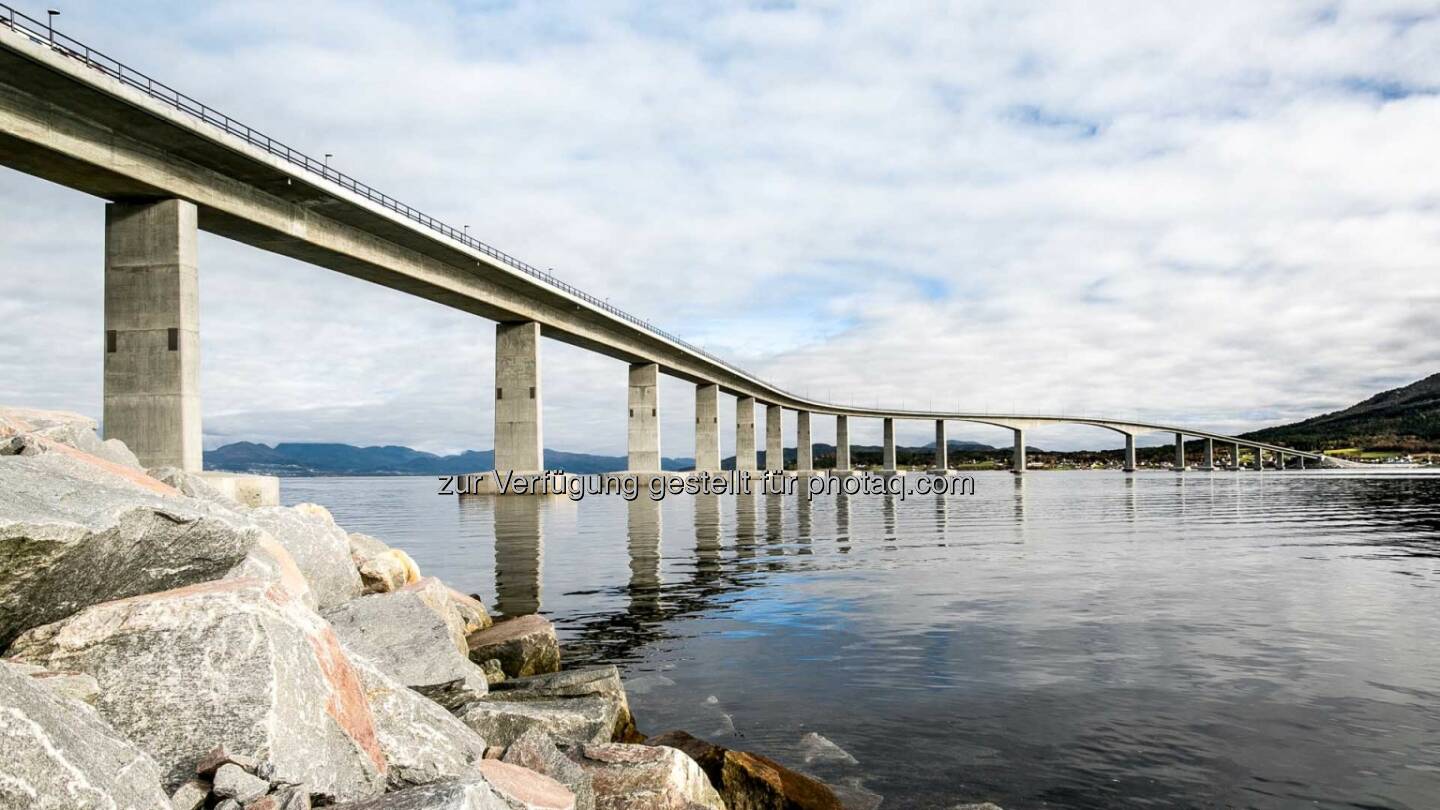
[170, 165]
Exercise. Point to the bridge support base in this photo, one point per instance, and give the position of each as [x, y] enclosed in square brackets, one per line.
[745, 433]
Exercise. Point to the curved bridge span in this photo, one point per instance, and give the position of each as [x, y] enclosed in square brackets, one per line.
[170, 165]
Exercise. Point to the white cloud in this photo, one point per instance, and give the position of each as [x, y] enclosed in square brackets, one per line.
[1218, 216]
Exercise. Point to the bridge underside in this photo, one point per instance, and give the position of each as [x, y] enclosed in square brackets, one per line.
[66, 122]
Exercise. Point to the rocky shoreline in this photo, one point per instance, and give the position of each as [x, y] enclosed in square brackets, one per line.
[168, 648]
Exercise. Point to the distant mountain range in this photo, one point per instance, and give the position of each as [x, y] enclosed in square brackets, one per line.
[1406, 419]
[302, 459]
[305, 459]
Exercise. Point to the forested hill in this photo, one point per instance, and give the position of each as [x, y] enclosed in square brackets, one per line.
[1406, 419]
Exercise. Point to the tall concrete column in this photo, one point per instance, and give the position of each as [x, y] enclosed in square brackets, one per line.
[1259, 458]
[842, 442]
[1209, 461]
[1017, 457]
[1129, 452]
[519, 439]
[744, 433]
[804, 447]
[1279, 460]
[942, 449]
[707, 428]
[152, 332]
[889, 456]
[1179, 451]
[644, 426]
[1235, 456]
[774, 444]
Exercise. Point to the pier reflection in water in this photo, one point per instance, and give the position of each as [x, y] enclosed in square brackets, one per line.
[1076, 640]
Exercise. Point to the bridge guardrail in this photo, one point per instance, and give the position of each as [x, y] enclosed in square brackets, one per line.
[44, 33]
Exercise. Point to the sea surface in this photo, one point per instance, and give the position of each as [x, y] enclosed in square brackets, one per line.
[1063, 639]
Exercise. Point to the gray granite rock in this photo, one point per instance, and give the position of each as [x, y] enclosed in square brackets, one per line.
[37, 427]
[75, 532]
[319, 547]
[525, 645]
[234, 782]
[59, 755]
[535, 750]
[193, 486]
[473, 793]
[363, 547]
[642, 777]
[406, 637]
[71, 685]
[191, 795]
[422, 742]
[571, 720]
[599, 681]
[237, 663]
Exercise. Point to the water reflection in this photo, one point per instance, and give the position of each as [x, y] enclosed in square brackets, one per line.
[519, 554]
[643, 522]
[707, 538]
[1154, 641]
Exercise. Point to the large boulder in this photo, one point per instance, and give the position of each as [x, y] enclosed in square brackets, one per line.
[571, 720]
[388, 571]
[525, 645]
[56, 754]
[749, 781]
[414, 637]
[76, 531]
[642, 777]
[422, 743]
[600, 681]
[535, 750]
[62, 427]
[239, 663]
[320, 548]
[472, 612]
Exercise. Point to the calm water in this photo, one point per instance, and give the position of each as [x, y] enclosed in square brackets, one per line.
[1055, 640]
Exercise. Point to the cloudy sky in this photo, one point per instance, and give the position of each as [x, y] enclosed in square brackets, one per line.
[1216, 214]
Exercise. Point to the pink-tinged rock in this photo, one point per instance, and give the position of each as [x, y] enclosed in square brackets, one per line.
[413, 636]
[525, 645]
[238, 663]
[642, 777]
[524, 789]
[77, 531]
[422, 743]
[319, 547]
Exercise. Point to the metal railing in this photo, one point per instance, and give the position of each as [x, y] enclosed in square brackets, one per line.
[44, 33]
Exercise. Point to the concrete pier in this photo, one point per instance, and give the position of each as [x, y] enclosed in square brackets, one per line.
[1235, 457]
[1259, 458]
[804, 447]
[1279, 460]
[942, 450]
[774, 442]
[842, 445]
[889, 454]
[707, 428]
[1129, 452]
[1017, 459]
[1179, 451]
[644, 425]
[152, 332]
[745, 433]
[1208, 461]
[519, 438]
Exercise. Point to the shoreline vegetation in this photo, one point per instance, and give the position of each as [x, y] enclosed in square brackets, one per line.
[168, 648]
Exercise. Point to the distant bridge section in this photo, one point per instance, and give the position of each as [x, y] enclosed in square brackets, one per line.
[170, 166]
